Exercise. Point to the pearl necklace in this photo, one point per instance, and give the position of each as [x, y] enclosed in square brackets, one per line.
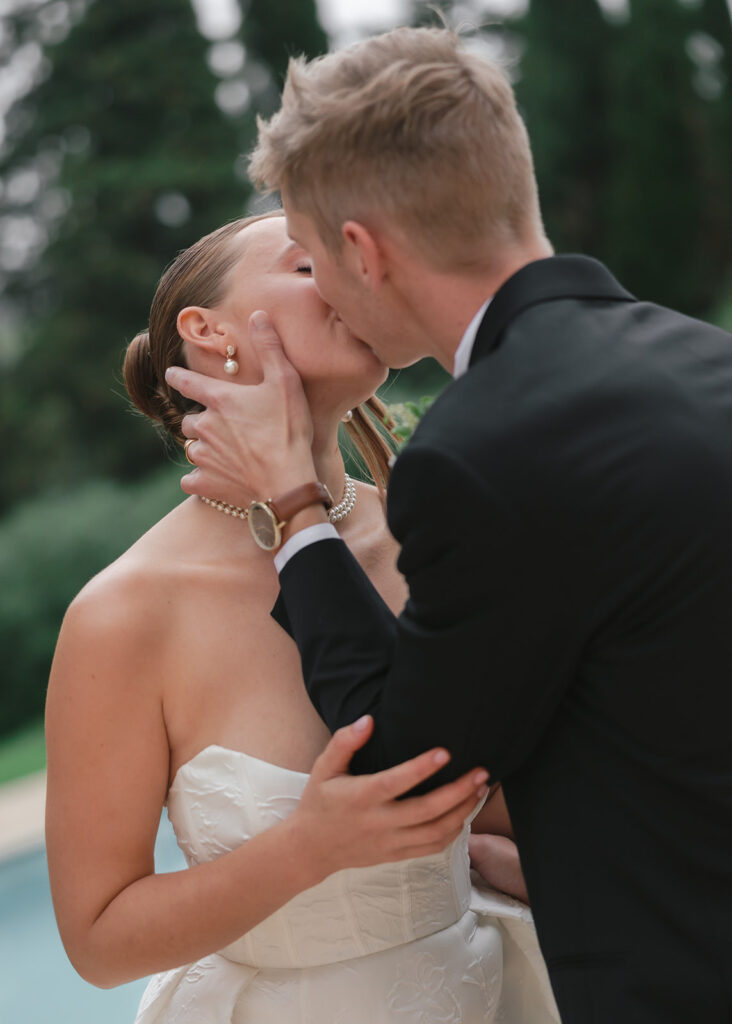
[335, 513]
[345, 505]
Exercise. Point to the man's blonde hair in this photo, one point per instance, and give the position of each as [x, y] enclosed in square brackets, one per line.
[408, 129]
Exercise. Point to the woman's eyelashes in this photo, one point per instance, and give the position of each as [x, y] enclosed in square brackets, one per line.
[304, 268]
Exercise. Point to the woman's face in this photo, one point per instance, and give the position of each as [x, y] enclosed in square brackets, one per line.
[275, 275]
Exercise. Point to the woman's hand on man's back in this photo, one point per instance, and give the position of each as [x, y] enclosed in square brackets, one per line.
[354, 821]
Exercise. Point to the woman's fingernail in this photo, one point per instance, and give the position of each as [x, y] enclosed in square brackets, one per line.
[482, 792]
[362, 723]
[480, 777]
[259, 321]
[441, 757]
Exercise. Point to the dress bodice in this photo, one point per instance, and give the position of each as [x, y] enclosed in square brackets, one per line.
[413, 942]
[223, 797]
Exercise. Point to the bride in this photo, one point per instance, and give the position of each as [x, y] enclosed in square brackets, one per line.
[310, 895]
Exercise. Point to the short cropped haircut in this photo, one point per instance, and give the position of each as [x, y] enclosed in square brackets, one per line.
[410, 129]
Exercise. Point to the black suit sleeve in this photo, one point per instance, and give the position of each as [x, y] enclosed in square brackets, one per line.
[482, 652]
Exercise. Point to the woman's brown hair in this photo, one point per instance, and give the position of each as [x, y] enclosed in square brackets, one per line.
[198, 277]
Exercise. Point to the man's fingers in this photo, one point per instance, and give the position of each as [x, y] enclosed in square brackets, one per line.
[342, 746]
[432, 806]
[195, 386]
[267, 344]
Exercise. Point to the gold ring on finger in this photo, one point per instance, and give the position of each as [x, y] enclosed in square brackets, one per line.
[186, 448]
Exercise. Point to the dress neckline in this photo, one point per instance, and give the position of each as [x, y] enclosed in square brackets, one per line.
[236, 753]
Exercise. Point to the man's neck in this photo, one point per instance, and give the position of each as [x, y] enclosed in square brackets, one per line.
[453, 299]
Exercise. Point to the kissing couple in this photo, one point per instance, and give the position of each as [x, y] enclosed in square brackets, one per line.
[548, 662]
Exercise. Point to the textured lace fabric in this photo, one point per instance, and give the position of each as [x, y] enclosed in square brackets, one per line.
[414, 942]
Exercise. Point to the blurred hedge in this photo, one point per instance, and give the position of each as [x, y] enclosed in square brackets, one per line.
[22, 753]
[723, 315]
[49, 548]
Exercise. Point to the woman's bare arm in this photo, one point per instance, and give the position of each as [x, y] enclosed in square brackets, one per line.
[107, 781]
[493, 816]
[493, 853]
[496, 860]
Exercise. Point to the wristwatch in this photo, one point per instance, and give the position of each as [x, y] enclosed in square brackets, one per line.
[267, 518]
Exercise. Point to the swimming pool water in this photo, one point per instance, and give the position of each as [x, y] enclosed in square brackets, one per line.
[38, 985]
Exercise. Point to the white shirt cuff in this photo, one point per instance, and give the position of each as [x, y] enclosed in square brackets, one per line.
[301, 539]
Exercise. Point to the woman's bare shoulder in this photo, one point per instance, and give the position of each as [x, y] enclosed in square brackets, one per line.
[129, 588]
[107, 678]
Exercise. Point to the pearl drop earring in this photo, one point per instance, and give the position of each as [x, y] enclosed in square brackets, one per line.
[231, 366]
[348, 416]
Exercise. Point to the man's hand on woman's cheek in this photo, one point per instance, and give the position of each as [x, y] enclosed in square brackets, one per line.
[251, 441]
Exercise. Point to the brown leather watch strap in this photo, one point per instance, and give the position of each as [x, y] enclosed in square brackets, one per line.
[294, 501]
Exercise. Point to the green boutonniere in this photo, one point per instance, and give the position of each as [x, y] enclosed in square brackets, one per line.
[402, 418]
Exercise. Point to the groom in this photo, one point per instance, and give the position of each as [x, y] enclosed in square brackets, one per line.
[564, 511]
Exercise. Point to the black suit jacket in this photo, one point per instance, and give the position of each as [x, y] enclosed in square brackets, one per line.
[565, 516]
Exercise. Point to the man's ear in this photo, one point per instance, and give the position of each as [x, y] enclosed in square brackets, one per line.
[363, 254]
[200, 327]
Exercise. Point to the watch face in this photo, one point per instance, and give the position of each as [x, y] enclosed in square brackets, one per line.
[263, 525]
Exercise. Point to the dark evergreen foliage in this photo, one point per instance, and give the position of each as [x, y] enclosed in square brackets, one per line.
[631, 127]
[562, 92]
[655, 241]
[275, 32]
[146, 162]
[147, 165]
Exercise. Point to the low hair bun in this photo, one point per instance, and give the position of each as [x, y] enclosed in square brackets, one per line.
[148, 393]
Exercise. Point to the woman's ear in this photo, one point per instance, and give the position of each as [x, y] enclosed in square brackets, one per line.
[201, 327]
[363, 254]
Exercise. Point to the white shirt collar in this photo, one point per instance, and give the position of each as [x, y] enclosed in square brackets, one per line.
[465, 348]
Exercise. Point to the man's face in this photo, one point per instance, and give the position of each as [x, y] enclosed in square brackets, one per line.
[375, 323]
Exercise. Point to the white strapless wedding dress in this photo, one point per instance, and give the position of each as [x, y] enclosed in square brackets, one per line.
[412, 942]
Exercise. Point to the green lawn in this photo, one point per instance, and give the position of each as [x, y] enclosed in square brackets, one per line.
[22, 752]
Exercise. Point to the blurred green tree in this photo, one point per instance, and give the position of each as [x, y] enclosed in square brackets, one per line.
[655, 241]
[631, 127]
[710, 47]
[273, 33]
[127, 149]
[630, 118]
[563, 95]
[132, 160]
